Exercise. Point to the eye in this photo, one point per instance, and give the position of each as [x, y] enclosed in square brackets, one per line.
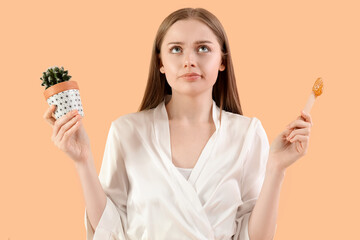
[176, 47]
[206, 47]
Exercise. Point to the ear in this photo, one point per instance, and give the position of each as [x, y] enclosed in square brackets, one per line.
[161, 66]
[222, 67]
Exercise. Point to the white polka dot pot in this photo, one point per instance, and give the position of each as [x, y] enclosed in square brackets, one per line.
[65, 96]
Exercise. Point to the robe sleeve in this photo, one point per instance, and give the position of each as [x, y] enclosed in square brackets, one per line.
[253, 175]
[114, 180]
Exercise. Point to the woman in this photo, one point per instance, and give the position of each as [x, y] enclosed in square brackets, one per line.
[188, 164]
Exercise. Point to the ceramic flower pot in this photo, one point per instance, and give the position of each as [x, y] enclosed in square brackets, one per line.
[65, 96]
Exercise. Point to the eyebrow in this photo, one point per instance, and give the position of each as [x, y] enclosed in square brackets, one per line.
[197, 42]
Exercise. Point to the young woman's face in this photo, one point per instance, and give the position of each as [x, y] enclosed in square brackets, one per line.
[189, 46]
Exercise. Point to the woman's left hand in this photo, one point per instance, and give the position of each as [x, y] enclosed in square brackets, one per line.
[292, 143]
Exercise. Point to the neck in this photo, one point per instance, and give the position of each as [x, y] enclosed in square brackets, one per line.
[187, 109]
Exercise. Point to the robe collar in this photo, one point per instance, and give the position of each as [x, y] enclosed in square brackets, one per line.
[186, 189]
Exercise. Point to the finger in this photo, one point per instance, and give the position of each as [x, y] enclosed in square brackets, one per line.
[302, 141]
[61, 121]
[307, 117]
[301, 138]
[299, 124]
[48, 115]
[299, 147]
[72, 130]
[285, 134]
[302, 131]
[63, 130]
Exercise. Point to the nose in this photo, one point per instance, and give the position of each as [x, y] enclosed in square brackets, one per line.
[189, 59]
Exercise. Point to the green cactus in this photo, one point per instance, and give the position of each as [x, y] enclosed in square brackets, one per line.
[54, 75]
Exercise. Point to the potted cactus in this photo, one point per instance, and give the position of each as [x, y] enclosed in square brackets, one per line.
[61, 92]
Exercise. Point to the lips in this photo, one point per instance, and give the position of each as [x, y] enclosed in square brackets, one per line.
[189, 75]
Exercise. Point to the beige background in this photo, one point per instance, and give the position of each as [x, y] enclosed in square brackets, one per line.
[279, 48]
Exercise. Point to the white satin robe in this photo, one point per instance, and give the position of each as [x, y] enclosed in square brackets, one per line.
[147, 196]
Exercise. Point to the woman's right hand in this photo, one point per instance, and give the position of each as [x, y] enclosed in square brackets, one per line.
[69, 134]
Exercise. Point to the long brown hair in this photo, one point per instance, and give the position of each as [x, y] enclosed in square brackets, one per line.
[224, 91]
